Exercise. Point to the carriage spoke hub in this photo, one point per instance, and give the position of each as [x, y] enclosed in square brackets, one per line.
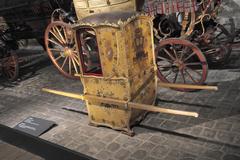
[179, 64]
[67, 52]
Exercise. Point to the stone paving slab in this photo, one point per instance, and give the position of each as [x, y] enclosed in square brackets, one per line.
[214, 135]
[9, 152]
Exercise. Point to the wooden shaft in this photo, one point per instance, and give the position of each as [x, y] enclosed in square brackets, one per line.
[161, 110]
[65, 94]
[187, 86]
[85, 97]
[122, 103]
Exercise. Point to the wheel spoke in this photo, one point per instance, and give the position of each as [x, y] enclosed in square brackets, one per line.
[194, 71]
[55, 42]
[174, 51]
[70, 66]
[168, 74]
[64, 32]
[192, 54]
[76, 59]
[59, 57]
[59, 40]
[165, 66]
[182, 53]
[189, 75]
[75, 52]
[181, 56]
[74, 65]
[60, 34]
[64, 62]
[169, 54]
[164, 59]
[11, 72]
[8, 74]
[54, 32]
[175, 78]
[183, 77]
[55, 49]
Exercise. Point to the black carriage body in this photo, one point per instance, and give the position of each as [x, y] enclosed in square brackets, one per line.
[28, 19]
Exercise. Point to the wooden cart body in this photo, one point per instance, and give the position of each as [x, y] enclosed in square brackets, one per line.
[125, 45]
[121, 86]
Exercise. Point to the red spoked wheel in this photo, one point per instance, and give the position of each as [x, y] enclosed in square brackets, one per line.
[10, 67]
[62, 49]
[180, 61]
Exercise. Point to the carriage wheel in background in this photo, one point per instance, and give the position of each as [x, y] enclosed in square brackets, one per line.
[217, 43]
[10, 67]
[180, 61]
[62, 49]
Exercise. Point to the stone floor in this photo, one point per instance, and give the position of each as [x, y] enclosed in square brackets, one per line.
[9, 152]
[214, 135]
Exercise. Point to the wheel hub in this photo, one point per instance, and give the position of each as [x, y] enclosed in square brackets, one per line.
[179, 65]
[67, 52]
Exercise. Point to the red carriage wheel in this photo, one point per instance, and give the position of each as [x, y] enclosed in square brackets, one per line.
[180, 61]
[62, 49]
[10, 67]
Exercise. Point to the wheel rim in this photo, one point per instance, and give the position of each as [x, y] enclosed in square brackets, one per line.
[62, 49]
[10, 67]
[180, 61]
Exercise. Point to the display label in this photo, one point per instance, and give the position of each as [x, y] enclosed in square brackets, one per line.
[35, 126]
